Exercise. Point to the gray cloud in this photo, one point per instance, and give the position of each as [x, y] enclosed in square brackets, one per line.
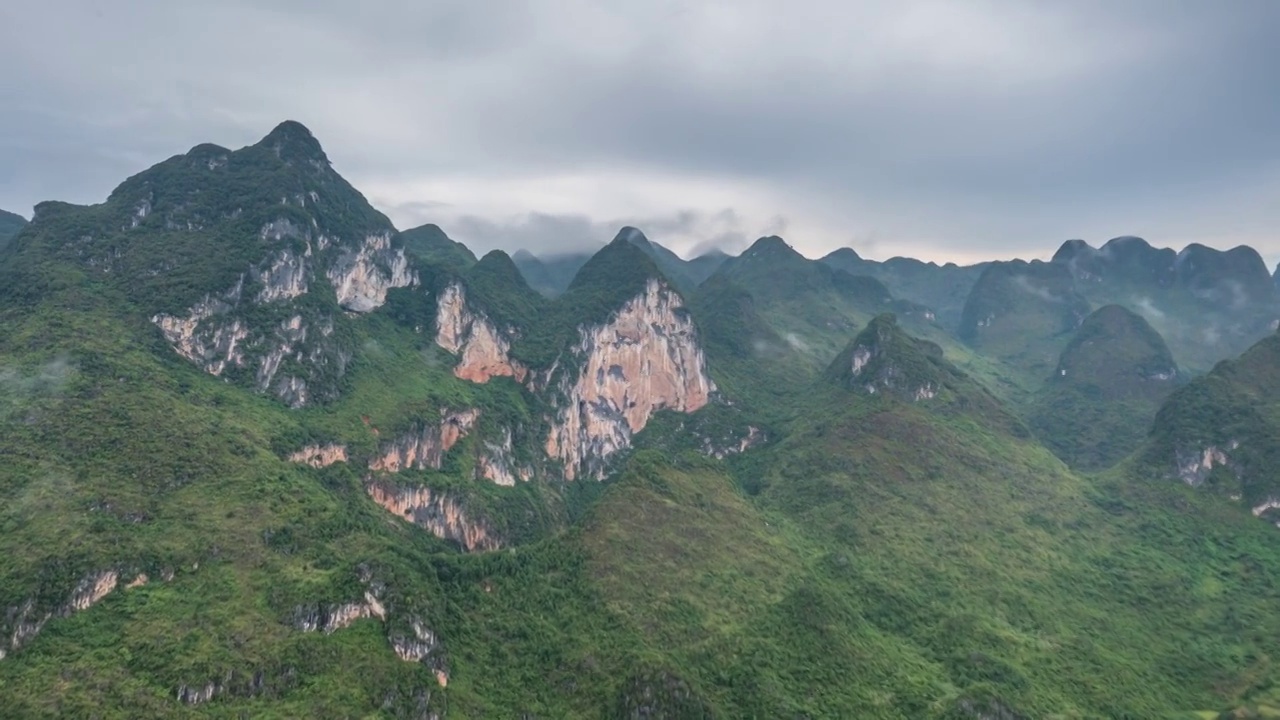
[930, 128]
[550, 234]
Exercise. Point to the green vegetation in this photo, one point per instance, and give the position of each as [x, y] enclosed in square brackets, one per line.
[10, 224]
[1110, 381]
[894, 554]
[432, 246]
[608, 280]
[1234, 411]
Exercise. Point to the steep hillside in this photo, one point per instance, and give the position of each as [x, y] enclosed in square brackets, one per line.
[1112, 377]
[1023, 314]
[249, 548]
[1221, 431]
[10, 224]
[812, 306]
[253, 264]
[673, 267]
[431, 245]
[551, 275]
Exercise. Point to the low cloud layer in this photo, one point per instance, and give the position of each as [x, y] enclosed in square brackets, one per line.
[946, 130]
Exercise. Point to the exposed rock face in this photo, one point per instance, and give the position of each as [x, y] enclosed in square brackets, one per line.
[210, 344]
[189, 695]
[484, 351]
[644, 359]
[25, 622]
[1194, 466]
[425, 448]
[217, 335]
[285, 278]
[497, 463]
[361, 278]
[318, 456]
[437, 512]
[329, 618]
[884, 359]
[92, 589]
[422, 646]
[419, 646]
[1268, 504]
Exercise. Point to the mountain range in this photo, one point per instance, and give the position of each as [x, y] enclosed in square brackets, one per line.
[267, 455]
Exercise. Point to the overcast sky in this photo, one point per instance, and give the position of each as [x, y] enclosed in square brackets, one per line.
[948, 130]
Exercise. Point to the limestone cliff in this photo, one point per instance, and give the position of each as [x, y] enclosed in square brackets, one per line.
[497, 463]
[318, 456]
[330, 618]
[361, 278]
[435, 511]
[483, 350]
[644, 358]
[287, 356]
[426, 446]
[1194, 465]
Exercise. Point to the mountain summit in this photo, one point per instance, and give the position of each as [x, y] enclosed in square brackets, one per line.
[292, 141]
[1109, 382]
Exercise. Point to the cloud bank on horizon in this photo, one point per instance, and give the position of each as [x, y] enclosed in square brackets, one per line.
[942, 130]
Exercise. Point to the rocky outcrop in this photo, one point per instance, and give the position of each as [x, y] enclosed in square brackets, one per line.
[318, 456]
[1195, 465]
[197, 336]
[1268, 504]
[362, 278]
[645, 358]
[883, 359]
[483, 351]
[24, 622]
[421, 646]
[437, 512]
[409, 636]
[497, 463]
[417, 647]
[288, 356]
[198, 694]
[425, 447]
[329, 618]
[285, 278]
[92, 589]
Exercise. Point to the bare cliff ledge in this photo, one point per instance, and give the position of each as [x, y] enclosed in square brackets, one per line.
[426, 446]
[436, 512]
[484, 352]
[645, 358]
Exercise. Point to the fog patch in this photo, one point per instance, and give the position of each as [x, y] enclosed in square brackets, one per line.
[795, 341]
[1022, 283]
[22, 389]
[1148, 309]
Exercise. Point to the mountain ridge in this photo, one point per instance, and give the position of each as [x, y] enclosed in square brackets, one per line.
[788, 491]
